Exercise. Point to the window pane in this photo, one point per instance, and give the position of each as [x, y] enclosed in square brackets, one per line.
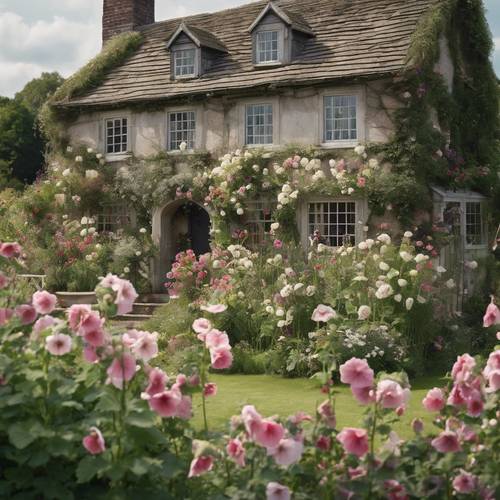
[113, 218]
[182, 128]
[473, 224]
[259, 215]
[116, 135]
[335, 222]
[259, 124]
[184, 62]
[340, 118]
[267, 46]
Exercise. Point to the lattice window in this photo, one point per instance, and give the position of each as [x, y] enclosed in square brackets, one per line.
[474, 226]
[113, 218]
[267, 47]
[259, 124]
[259, 217]
[184, 62]
[181, 128]
[116, 135]
[335, 221]
[340, 118]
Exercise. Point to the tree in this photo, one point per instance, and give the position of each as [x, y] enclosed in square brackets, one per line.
[36, 92]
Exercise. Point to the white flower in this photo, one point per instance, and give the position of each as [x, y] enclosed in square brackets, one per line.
[90, 151]
[270, 310]
[222, 213]
[98, 156]
[373, 163]
[183, 146]
[69, 149]
[407, 95]
[256, 168]
[286, 291]
[88, 257]
[398, 297]
[66, 172]
[413, 273]
[298, 286]
[363, 245]
[79, 159]
[91, 174]
[84, 221]
[384, 238]
[406, 256]
[83, 233]
[310, 290]
[383, 266]
[265, 171]
[143, 230]
[421, 299]
[321, 247]
[409, 303]
[402, 283]
[126, 270]
[275, 226]
[138, 253]
[471, 264]
[332, 163]
[304, 162]
[240, 211]
[408, 234]
[280, 312]
[450, 284]
[364, 312]
[421, 258]
[359, 150]
[92, 230]
[384, 291]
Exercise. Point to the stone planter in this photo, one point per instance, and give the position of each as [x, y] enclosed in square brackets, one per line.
[67, 299]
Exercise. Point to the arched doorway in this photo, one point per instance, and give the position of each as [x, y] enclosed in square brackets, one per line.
[177, 227]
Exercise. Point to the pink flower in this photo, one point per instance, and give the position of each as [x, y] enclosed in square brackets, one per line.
[434, 400]
[26, 313]
[364, 395]
[475, 404]
[417, 425]
[76, 313]
[42, 324]
[324, 443]
[214, 308]
[456, 398]
[323, 314]
[201, 465]
[95, 338]
[493, 381]
[121, 370]
[395, 490]
[236, 451]
[44, 302]
[5, 315]
[391, 395]
[10, 250]
[277, 244]
[221, 358]
[165, 403]
[58, 344]
[464, 483]
[462, 369]
[288, 452]
[210, 389]
[251, 419]
[361, 182]
[491, 316]
[90, 354]
[146, 347]
[216, 339]
[124, 290]
[354, 441]
[4, 281]
[94, 443]
[492, 371]
[325, 410]
[356, 373]
[269, 433]
[446, 442]
[185, 408]
[276, 491]
[157, 381]
[202, 325]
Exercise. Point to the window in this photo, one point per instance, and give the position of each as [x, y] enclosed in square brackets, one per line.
[184, 63]
[335, 221]
[474, 234]
[116, 135]
[267, 47]
[259, 124]
[340, 118]
[113, 218]
[181, 128]
[259, 217]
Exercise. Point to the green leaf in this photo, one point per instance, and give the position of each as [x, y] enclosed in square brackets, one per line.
[144, 419]
[89, 467]
[20, 435]
[109, 401]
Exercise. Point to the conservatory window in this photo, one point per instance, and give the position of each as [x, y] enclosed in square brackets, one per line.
[340, 117]
[113, 218]
[259, 124]
[335, 221]
[181, 128]
[184, 63]
[116, 135]
[267, 47]
[474, 228]
[259, 217]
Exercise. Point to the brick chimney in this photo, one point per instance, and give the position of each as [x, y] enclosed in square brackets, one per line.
[125, 15]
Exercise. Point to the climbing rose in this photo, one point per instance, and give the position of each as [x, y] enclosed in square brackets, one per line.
[276, 491]
[384, 291]
[26, 313]
[323, 314]
[165, 403]
[121, 369]
[364, 313]
[391, 395]
[357, 373]
[124, 290]
[464, 483]
[221, 358]
[58, 344]
[446, 442]
[94, 443]
[287, 452]
[236, 451]
[434, 401]
[491, 316]
[354, 441]
[44, 302]
[269, 433]
[200, 465]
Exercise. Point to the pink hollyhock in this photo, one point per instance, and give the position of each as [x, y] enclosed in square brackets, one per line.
[492, 371]
[26, 313]
[44, 302]
[276, 491]
[434, 400]
[356, 472]
[157, 381]
[58, 344]
[456, 398]
[287, 452]
[185, 408]
[4, 281]
[216, 339]
[236, 451]
[76, 314]
[357, 373]
[269, 433]
[475, 404]
[202, 325]
[146, 347]
[214, 308]
[354, 441]
[122, 370]
[165, 403]
[90, 322]
[446, 442]
[324, 443]
[5, 315]
[201, 465]
[124, 290]
[94, 443]
[42, 324]
[10, 250]
[210, 389]
[465, 483]
[323, 314]
[251, 419]
[300, 417]
[463, 367]
[395, 490]
[131, 337]
[364, 395]
[327, 414]
[95, 338]
[221, 358]
[417, 425]
[493, 381]
[90, 354]
[491, 316]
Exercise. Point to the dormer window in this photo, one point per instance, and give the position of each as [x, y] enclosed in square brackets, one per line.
[267, 47]
[184, 63]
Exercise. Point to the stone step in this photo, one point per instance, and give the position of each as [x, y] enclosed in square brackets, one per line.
[146, 308]
[132, 317]
[153, 298]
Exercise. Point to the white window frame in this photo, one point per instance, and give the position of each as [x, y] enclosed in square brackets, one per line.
[175, 52]
[242, 128]
[117, 215]
[280, 29]
[261, 144]
[103, 138]
[354, 91]
[169, 131]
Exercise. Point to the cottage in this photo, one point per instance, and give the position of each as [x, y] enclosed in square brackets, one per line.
[322, 74]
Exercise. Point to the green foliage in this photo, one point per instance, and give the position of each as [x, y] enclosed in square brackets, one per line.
[36, 92]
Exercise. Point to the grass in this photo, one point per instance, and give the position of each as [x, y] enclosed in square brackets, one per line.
[273, 395]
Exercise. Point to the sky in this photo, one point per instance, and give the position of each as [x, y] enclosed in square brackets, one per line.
[62, 35]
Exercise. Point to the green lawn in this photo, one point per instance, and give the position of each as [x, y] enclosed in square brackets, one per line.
[273, 395]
